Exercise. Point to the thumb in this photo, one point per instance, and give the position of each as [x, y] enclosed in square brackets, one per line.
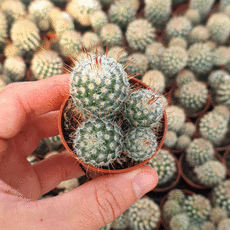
[93, 204]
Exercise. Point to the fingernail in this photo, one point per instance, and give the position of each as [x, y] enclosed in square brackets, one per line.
[143, 183]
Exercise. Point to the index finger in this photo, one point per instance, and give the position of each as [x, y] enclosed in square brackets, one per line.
[19, 102]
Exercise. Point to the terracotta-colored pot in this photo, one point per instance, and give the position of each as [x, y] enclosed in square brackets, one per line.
[180, 9]
[226, 158]
[165, 225]
[183, 165]
[92, 171]
[174, 181]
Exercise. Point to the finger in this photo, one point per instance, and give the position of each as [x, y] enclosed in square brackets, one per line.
[93, 204]
[20, 102]
[55, 169]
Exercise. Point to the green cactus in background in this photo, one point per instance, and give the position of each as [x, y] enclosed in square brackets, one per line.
[170, 139]
[213, 127]
[221, 55]
[197, 207]
[176, 117]
[46, 64]
[198, 34]
[224, 224]
[154, 52]
[3, 31]
[193, 15]
[90, 40]
[217, 77]
[178, 26]
[179, 221]
[139, 34]
[199, 152]
[193, 96]
[178, 41]
[155, 79]
[165, 165]
[98, 19]
[171, 208]
[222, 92]
[68, 185]
[10, 50]
[121, 13]
[98, 142]
[176, 194]
[211, 173]
[106, 227]
[138, 64]
[218, 26]
[208, 225]
[144, 214]
[184, 77]
[183, 142]
[15, 68]
[217, 214]
[158, 11]
[121, 222]
[111, 34]
[119, 54]
[188, 129]
[173, 60]
[223, 111]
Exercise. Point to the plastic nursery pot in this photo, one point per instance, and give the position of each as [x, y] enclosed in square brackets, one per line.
[164, 199]
[91, 171]
[173, 182]
[226, 160]
[187, 172]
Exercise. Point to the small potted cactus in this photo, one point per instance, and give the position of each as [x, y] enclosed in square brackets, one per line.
[110, 122]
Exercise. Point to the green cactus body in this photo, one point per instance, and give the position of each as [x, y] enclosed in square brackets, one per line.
[178, 41]
[155, 79]
[170, 139]
[224, 224]
[217, 214]
[217, 77]
[11, 50]
[171, 208]
[157, 11]
[106, 227]
[154, 52]
[138, 64]
[111, 34]
[218, 26]
[144, 215]
[193, 96]
[25, 35]
[70, 43]
[208, 225]
[179, 221]
[199, 152]
[98, 142]
[211, 173]
[222, 93]
[54, 139]
[223, 111]
[222, 55]
[200, 57]
[224, 4]
[188, 129]
[39, 13]
[119, 54]
[90, 40]
[175, 117]
[98, 19]
[193, 16]
[199, 34]
[3, 30]
[178, 26]
[144, 108]
[176, 194]
[183, 142]
[197, 207]
[213, 127]
[220, 196]
[121, 222]
[46, 64]
[184, 77]
[15, 68]
[99, 85]
[68, 185]
[139, 34]
[140, 143]
[165, 165]
[121, 13]
[173, 60]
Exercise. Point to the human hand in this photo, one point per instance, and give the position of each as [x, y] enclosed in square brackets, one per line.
[28, 113]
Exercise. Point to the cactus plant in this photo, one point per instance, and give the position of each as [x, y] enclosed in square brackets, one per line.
[170, 139]
[217, 214]
[179, 221]
[193, 96]
[158, 11]
[155, 79]
[170, 208]
[211, 173]
[197, 207]
[106, 227]
[218, 26]
[193, 15]
[188, 128]
[208, 225]
[224, 224]
[222, 55]
[3, 30]
[173, 60]
[121, 222]
[111, 34]
[176, 194]
[183, 142]
[165, 165]
[119, 54]
[144, 214]
[154, 52]
[184, 77]
[199, 152]
[222, 92]
[200, 57]
[90, 40]
[178, 26]
[178, 41]
[10, 50]
[198, 34]
[15, 68]
[98, 19]
[121, 13]
[139, 34]
[45, 64]
[223, 111]
[68, 185]
[217, 77]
